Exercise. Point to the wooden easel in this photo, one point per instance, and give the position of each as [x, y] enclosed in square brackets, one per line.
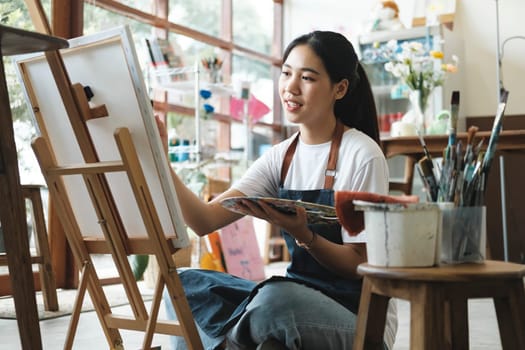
[157, 244]
[116, 241]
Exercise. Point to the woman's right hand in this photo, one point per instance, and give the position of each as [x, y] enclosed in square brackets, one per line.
[163, 132]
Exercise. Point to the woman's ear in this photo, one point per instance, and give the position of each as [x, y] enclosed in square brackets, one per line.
[341, 89]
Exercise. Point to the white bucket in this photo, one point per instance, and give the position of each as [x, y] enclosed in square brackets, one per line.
[401, 235]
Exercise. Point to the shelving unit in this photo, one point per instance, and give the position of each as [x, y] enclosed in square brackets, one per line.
[164, 81]
[382, 81]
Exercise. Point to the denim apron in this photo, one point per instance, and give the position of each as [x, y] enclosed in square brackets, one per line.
[218, 299]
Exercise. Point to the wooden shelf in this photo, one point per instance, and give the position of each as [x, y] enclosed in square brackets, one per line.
[17, 41]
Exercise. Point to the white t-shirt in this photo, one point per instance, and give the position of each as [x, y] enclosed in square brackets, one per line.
[361, 166]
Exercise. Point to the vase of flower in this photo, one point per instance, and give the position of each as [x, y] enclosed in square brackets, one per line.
[419, 69]
[423, 115]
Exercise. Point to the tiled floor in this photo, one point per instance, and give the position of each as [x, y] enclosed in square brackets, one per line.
[89, 335]
[484, 333]
[483, 326]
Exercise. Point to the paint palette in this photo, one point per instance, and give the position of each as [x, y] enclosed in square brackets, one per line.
[316, 213]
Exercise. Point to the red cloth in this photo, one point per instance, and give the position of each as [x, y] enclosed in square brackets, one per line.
[353, 220]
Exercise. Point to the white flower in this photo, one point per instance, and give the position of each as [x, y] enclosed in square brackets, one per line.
[417, 67]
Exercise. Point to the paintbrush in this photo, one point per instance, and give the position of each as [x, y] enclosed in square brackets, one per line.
[494, 135]
[425, 166]
[460, 166]
[469, 156]
[452, 124]
[472, 181]
[422, 141]
[425, 183]
[426, 152]
[453, 121]
[477, 149]
[446, 174]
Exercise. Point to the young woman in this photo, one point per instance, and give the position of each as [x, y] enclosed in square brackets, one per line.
[324, 90]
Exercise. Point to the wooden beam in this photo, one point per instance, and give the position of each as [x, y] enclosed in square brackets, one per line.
[159, 22]
[67, 18]
[277, 51]
[223, 118]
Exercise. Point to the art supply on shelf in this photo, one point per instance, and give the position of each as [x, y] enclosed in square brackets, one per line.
[213, 66]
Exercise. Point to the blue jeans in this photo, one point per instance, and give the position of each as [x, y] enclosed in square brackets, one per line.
[298, 316]
[178, 343]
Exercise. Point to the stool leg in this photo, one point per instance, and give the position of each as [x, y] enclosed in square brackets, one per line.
[371, 317]
[456, 323]
[47, 276]
[510, 311]
[426, 317]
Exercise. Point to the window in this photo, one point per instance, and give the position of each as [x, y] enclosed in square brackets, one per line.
[253, 24]
[13, 13]
[197, 29]
[202, 15]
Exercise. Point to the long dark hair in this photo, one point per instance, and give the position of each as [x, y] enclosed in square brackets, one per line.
[357, 108]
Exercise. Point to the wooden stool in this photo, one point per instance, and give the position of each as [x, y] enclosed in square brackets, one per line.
[43, 255]
[438, 299]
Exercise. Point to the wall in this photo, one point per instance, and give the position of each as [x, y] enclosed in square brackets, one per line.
[475, 22]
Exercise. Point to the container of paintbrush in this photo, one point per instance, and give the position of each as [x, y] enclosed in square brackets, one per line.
[463, 234]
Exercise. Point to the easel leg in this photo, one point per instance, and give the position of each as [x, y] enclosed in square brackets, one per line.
[154, 312]
[77, 307]
[47, 275]
[167, 267]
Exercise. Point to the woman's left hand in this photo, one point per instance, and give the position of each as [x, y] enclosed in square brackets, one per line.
[294, 224]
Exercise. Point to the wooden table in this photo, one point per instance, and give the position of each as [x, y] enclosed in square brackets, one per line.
[438, 299]
[509, 140]
[12, 211]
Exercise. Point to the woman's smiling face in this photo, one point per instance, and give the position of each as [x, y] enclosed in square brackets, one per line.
[305, 88]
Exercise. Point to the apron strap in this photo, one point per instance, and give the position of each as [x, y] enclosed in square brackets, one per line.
[331, 166]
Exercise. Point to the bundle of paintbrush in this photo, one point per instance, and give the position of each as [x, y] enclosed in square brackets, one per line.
[458, 171]
[443, 189]
[476, 183]
[463, 173]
